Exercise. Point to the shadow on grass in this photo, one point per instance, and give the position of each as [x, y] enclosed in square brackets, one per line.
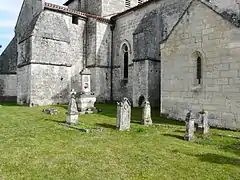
[64, 106]
[180, 131]
[54, 120]
[219, 159]
[233, 148]
[174, 135]
[136, 115]
[9, 104]
[105, 125]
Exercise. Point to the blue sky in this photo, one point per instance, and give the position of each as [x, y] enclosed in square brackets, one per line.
[9, 10]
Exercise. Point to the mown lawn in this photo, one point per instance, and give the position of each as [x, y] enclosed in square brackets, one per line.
[34, 146]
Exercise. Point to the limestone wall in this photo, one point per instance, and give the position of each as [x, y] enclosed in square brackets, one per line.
[218, 41]
[143, 29]
[57, 57]
[8, 59]
[99, 58]
[8, 85]
[53, 87]
[23, 85]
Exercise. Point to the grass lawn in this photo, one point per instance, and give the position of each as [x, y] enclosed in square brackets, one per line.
[34, 146]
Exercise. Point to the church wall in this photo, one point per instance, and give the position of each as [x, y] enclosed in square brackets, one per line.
[100, 60]
[24, 71]
[8, 85]
[143, 30]
[28, 14]
[57, 57]
[8, 70]
[23, 85]
[218, 41]
[75, 5]
[53, 87]
[94, 7]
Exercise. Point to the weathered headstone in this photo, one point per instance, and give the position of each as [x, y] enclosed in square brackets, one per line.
[72, 114]
[203, 126]
[123, 115]
[146, 113]
[189, 125]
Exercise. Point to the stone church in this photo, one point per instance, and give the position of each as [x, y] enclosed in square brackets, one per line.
[180, 54]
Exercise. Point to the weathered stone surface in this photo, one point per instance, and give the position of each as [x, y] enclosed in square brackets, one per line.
[123, 115]
[72, 114]
[146, 113]
[203, 125]
[86, 98]
[50, 111]
[202, 30]
[189, 125]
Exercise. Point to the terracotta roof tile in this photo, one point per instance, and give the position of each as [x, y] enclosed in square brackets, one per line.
[74, 12]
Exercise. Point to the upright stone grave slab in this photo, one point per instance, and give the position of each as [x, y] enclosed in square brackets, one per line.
[72, 114]
[85, 98]
[123, 115]
[203, 125]
[146, 113]
[189, 125]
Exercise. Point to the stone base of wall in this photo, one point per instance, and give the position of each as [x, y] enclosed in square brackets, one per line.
[8, 99]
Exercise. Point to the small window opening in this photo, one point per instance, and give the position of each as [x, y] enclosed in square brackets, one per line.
[199, 70]
[74, 19]
[140, 1]
[127, 3]
[125, 56]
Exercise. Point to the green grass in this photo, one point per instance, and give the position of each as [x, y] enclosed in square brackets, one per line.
[34, 146]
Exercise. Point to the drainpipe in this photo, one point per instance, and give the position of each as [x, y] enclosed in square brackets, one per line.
[112, 26]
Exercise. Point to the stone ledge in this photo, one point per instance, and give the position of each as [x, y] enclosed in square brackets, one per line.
[42, 63]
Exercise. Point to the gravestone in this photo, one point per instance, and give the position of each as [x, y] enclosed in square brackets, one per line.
[72, 114]
[146, 113]
[189, 125]
[123, 115]
[203, 126]
[86, 98]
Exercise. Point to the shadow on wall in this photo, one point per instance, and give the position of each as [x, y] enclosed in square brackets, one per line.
[2, 86]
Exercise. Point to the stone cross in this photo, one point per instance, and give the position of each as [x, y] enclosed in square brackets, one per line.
[146, 113]
[189, 125]
[203, 126]
[123, 115]
[72, 114]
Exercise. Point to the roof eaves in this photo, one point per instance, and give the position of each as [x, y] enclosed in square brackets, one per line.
[74, 12]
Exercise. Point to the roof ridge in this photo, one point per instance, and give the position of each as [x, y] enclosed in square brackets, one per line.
[75, 12]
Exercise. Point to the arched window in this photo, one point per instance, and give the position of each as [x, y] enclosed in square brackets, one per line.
[199, 70]
[127, 3]
[125, 59]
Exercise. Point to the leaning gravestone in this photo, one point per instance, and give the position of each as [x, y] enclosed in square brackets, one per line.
[189, 125]
[203, 126]
[146, 113]
[72, 114]
[123, 115]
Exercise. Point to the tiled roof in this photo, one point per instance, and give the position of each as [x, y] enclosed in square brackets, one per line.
[74, 12]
